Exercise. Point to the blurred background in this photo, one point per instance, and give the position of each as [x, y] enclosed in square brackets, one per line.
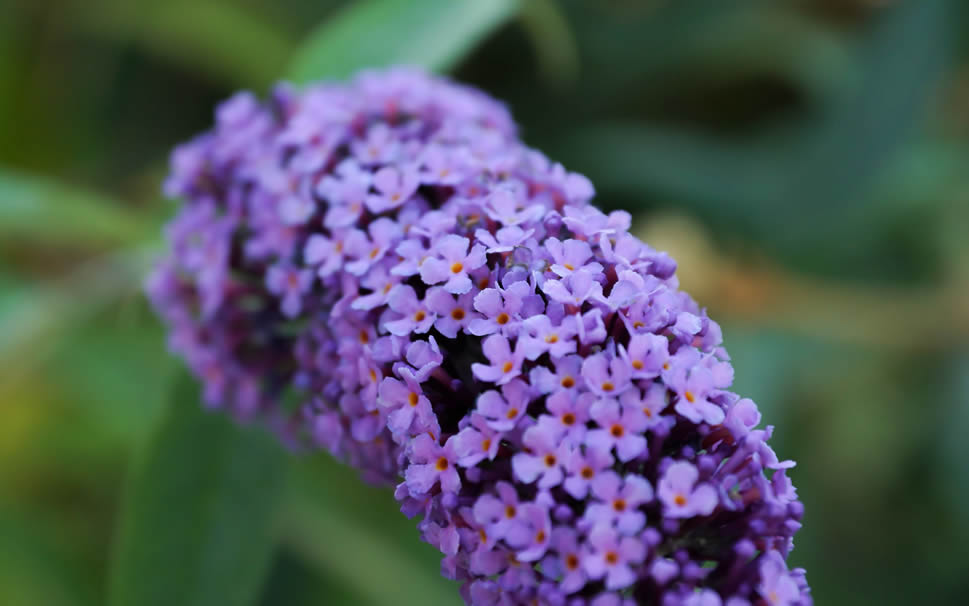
[806, 162]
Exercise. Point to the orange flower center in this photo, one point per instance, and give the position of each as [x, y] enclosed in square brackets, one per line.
[456, 268]
[457, 313]
[441, 464]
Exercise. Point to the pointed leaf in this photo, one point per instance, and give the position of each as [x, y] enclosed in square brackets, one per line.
[198, 522]
[434, 34]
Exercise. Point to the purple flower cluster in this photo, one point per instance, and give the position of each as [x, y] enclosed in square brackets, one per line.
[383, 270]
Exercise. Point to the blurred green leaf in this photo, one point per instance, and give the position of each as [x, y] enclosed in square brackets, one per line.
[434, 34]
[42, 210]
[355, 534]
[34, 568]
[225, 39]
[199, 511]
[555, 46]
[34, 317]
[808, 179]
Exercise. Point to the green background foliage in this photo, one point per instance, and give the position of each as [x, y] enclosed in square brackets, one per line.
[805, 161]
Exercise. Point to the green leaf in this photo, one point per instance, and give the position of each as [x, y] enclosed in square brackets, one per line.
[434, 34]
[226, 40]
[35, 317]
[354, 533]
[38, 566]
[810, 176]
[42, 210]
[198, 522]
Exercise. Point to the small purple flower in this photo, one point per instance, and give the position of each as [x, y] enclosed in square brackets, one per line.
[612, 556]
[347, 194]
[328, 253]
[454, 314]
[569, 414]
[433, 463]
[378, 147]
[407, 401]
[693, 385]
[574, 290]
[567, 561]
[451, 264]
[384, 235]
[620, 427]
[290, 284]
[681, 496]
[705, 597]
[584, 468]
[505, 239]
[499, 308]
[503, 206]
[413, 253]
[618, 502]
[646, 355]
[535, 517]
[503, 410]
[777, 586]
[505, 364]
[442, 165]
[652, 403]
[296, 209]
[477, 442]
[571, 256]
[567, 375]
[394, 186]
[605, 377]
[501, 515]
[541, 336]
[544, 457]
[413, 314]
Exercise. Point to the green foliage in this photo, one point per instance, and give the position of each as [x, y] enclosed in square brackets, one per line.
[433, 34]
[815, 151]
[43, 211]
[199, 511]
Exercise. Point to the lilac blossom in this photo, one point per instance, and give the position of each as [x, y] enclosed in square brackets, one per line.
[680, 494]
[543, 458]
[612, 556]
[618, 502]
[451, 263]
[503, 410]
[619, 427]
[451, 314]
[291, 284]
[504, 363]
